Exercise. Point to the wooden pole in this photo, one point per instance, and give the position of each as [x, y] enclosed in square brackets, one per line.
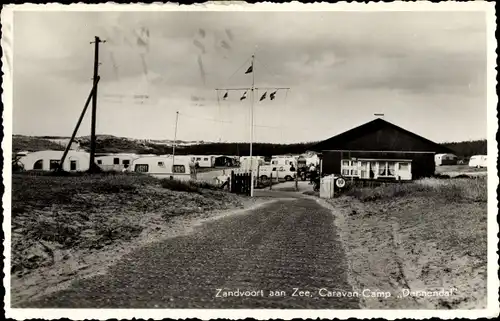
[175, 140]
[94, 106]
[251, 125]
[296, 178]
[60, 168]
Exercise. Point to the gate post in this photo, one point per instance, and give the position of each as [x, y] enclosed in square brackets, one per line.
[232, 183]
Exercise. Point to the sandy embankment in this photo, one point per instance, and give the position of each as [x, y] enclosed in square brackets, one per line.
[87, 263]
[390, 248]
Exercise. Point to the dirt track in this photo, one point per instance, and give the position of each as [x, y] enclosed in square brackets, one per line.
[291, 243]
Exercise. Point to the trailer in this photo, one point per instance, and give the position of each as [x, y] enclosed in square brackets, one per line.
[115, 162]
[161, 167]
[203, 161]
[445, 159]
[48, 160]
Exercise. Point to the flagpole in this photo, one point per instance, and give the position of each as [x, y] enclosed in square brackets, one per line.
[175, 141]
[251, 128]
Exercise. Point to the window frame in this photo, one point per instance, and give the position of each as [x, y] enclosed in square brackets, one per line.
[175, 171]
[35, 163]
[52, 162]
[138, 166]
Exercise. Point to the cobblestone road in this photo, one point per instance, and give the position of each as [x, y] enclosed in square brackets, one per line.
[286, 245]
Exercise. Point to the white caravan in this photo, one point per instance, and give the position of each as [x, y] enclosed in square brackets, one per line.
[47, 160]
[115, 162]
[161, 167]
[478, 161]
[203, 161]
[245, 165]
[283, 160]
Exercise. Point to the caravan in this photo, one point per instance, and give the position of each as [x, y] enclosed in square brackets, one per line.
[115, 162]
[478, 161]
[283, 160]
[445, 159]
[203, 161]
[161, 167]
[47, 160]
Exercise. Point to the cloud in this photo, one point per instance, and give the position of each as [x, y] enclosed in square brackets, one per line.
[323, 56]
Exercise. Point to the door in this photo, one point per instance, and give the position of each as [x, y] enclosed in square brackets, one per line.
[72, 165]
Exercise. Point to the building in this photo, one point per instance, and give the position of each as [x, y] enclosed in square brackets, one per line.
[48, 160]
[379, 150]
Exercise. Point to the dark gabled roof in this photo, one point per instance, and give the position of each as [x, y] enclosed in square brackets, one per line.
[368, 128]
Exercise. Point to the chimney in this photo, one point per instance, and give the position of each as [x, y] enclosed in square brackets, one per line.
[379, 115]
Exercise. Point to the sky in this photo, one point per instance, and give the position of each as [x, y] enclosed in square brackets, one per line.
[425, 71]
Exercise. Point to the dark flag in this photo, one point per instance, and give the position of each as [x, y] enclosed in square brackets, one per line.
[244, 96]
[225, 95]
[272, 95]
[249, 70]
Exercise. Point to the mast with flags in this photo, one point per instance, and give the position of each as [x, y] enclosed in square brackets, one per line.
[272, 96]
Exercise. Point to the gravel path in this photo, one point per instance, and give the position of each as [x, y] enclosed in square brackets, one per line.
[286, 245]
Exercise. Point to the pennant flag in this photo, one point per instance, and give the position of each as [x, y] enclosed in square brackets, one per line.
[249, 70]
[244, 96]
[271, 96]
[263, 96]
[225, 95]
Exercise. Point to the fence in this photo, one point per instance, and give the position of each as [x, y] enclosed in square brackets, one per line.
[240, 183]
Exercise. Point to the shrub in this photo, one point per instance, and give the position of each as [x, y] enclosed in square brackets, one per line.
[452, 190]
[189, 186]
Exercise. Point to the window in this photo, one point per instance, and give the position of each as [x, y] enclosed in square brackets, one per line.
[99, 162]
[38, 164]
[274, 162]
[54, 164]
[287, 162]
[205, 159]
[198, 158]
[386, 169]
[274, 169]
[116, 161]
[404, 167]
[126, 162]
[179, 169]
[72, 165]
[142, 168]
[349, 168]
[161, 164]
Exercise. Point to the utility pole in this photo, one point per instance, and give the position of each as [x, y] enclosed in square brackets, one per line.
[175, 140]
[94, 104]
[68, 147]
[251, 126]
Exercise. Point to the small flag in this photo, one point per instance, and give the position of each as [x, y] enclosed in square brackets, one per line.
[249, 70]
[263, 96]
[271, 96]
[225, 95]
[244, 96]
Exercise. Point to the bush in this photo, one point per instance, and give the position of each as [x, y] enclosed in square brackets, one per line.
[189, 186]
[452, 190]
